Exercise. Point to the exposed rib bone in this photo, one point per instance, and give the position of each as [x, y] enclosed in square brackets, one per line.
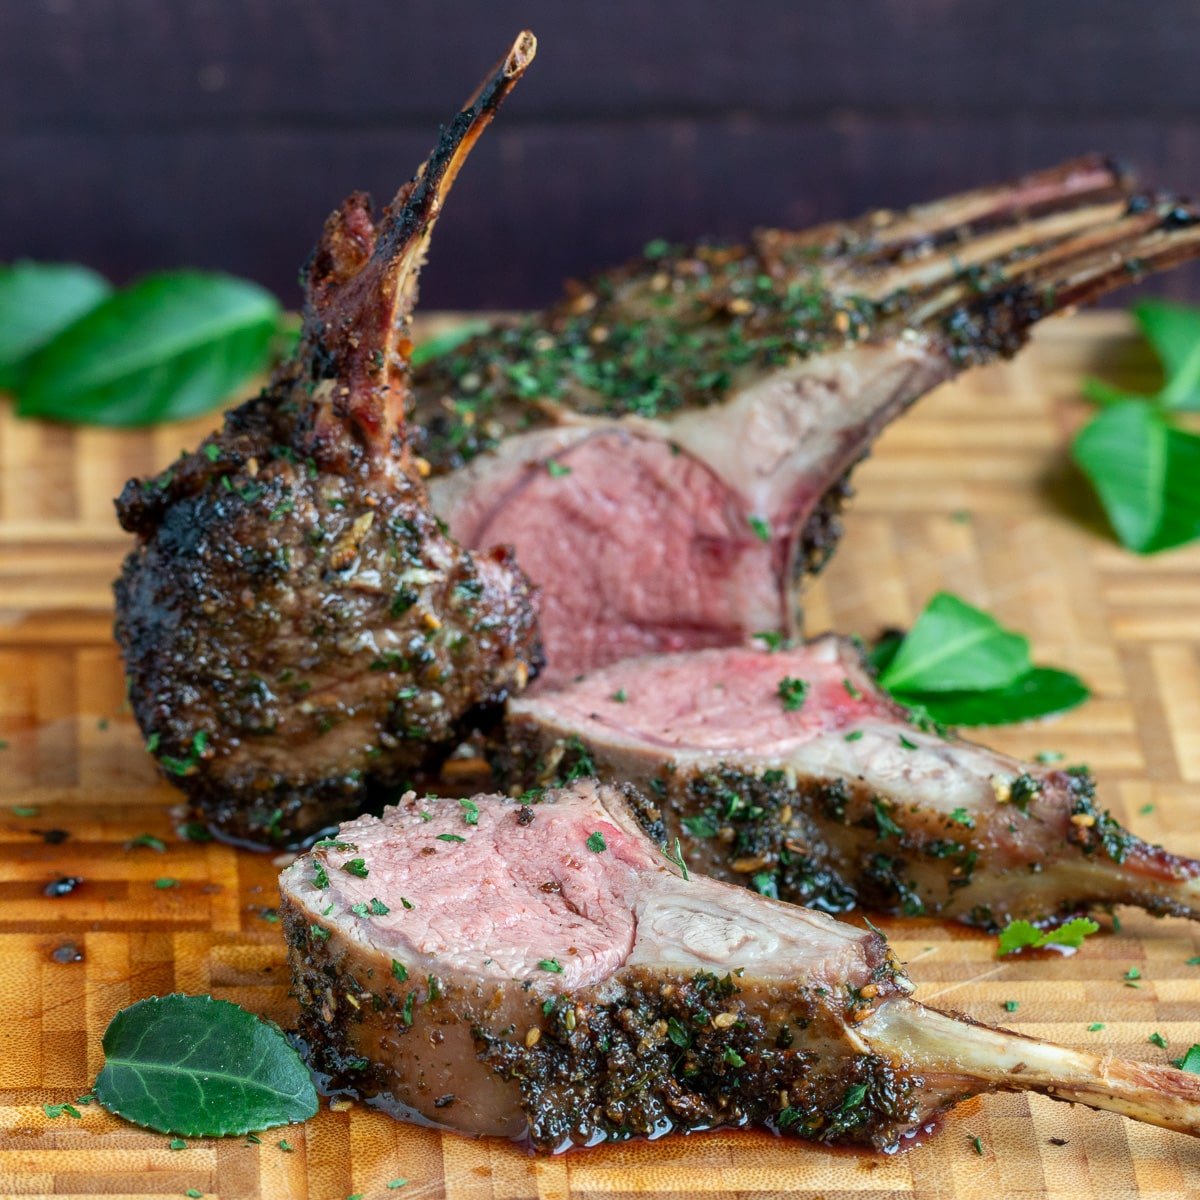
[936, 1043]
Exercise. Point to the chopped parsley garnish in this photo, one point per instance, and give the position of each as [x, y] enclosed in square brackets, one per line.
[1190, 1062]
[470, 812]
[851, 690]
[733, 1058]
[977, 1142]
[619, 696]
[699, 827]
[678, 1034]
[1157, 1039]
[285, 1145]
[854, 1097]
[1194, 961]
[25, 810]
[854, 735]
[356, 866]
[596, 843]
[1131, 976]
[319, 932]
[320, 875]
[772, 640]
[177, 1144]
[54, 1111]
[1019, 934]
[450, 837]
[331, 844]
[886, 826]
[1011, 1005]
[760, 528]
[405, 903]
[906, 743]
[359, 910]
[399, 971]
[960, 816]
[675, 855]
[378, 908]
[792, 693]
[1095, 1027]
[149, 841]
[556, 469]
[406, 1013]
[165, 883]
[1146, 809]
[550, 964]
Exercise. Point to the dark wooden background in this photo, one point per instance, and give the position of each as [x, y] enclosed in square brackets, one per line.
[139, 134]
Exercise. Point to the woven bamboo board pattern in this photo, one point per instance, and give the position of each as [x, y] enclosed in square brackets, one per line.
[970, 492]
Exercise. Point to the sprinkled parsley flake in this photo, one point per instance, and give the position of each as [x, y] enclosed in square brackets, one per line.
[596, 843]
[792, 693]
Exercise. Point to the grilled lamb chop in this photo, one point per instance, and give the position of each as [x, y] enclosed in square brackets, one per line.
[668, 447]
[842, 800]
[541, 971]
[299, 630]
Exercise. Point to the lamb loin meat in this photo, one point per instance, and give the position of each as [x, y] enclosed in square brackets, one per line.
[300, 632]
[840, 799]
[668, 447]
[542, 971]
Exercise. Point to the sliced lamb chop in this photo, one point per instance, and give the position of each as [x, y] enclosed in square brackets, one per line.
[841, 799]
[668, 447]
[541, 971]
[299, 630]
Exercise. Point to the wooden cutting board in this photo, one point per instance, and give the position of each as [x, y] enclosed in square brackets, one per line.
[971, 493]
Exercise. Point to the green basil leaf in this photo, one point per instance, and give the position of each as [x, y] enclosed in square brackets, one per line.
[956, 647]
[1104, 394]
[1146, 473]
[38, 301]
[1038, 693]
[199, 1067]
[435, 347]
[173, 345]
[1174, 332]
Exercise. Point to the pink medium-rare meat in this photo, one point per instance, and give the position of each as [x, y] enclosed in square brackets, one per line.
[667, 448]
[300, 632]
[661, 537]
[542, 971]
[845, 797]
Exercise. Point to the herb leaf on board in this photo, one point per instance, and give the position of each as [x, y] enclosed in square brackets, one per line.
[1143, 467]
[1174, 332]
[200, 1067]
[955, 647]
[1040, 692]
[173, 345]
[1146, 473]
[435, 347]
[38, 301]
[1019, 934]
[955, 641]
